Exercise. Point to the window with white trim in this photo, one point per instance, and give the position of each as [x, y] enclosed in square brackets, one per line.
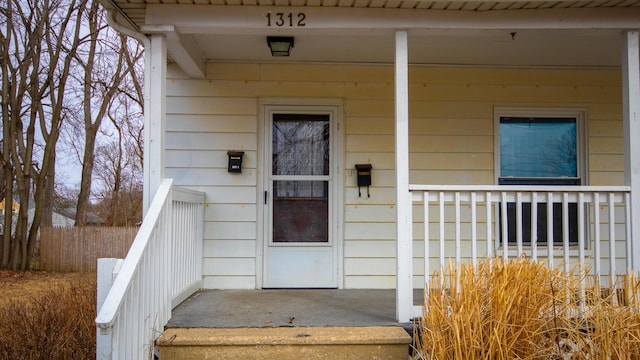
[540, 147]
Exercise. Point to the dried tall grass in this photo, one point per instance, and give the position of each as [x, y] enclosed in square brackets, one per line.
[58, 324]
[526, 310]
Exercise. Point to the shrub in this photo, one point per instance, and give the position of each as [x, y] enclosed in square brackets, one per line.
[58, 324]
[525, 310]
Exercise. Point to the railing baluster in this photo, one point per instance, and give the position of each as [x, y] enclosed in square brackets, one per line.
[596, 237]
[612, 241]
[457, 211]
[474, 237]
[627, 231]
[442, 263]
[565, 231]
[427, 255]
[581, 245]
[504, 228]
[534, 226]
[519, 224]
[490, 239]
[550, 243]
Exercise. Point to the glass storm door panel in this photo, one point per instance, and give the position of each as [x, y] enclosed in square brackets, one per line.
[300, 156]
[300, 252]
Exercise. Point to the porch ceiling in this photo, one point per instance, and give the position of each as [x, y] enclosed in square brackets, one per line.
[513, 33]
[135, 9]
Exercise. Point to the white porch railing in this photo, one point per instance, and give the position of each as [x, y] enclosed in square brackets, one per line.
[464, 223]
[162, 268]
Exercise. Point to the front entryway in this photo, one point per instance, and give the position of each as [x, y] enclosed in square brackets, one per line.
[300, 197]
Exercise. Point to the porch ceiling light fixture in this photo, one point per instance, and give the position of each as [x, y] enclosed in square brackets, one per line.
[280, 45]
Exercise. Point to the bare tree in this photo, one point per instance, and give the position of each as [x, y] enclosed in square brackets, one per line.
[101, 84]
[37, 39]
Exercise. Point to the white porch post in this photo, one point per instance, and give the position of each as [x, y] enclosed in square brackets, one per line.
[154, 116]
[631, 110]
[404, 255]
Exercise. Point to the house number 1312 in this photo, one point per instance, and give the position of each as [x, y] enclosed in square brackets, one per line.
[286, 19]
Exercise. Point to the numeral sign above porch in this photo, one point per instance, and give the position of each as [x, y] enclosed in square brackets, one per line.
[288, 19]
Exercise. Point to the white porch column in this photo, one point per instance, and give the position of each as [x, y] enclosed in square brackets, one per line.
[404, 254]
[155, 72]
[631, 110]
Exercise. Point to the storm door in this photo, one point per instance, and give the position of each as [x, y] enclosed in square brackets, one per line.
[300, 249]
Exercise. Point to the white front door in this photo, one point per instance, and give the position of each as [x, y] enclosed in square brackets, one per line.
[300, 195]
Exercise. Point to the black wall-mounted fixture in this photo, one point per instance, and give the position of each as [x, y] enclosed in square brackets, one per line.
[235, 161]
[363, 172]
[280, 45]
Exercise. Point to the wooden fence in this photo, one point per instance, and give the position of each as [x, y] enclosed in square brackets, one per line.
[76, 249]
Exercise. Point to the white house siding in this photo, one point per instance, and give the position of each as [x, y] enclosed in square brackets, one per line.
[452, 142]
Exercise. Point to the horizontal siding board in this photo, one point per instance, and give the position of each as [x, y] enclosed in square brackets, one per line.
[229, 266]
[195, 176]
[452, 161]
[302, 72]
[379, 195]
[449, 109]
[605, 111]
[229, 282]
[369, 108]
[210, 141]
[370, 249]
[371, 266]
[227, 194]
[380, 160]
[230, 230]
[206, 159]
[365, 231]
[212, 105]
[369, 143]
[514, 93]
[442, 127]
[480, 75]
[370, 213]
[233, 71]
[370, 125]
[229, 249]
[253, 89]
[606, 145]
[212, 123]
[606, 178]
[606, 162]
[231, 212]
[451, 144]
[452, 177]
[370, 282]
[606, 128]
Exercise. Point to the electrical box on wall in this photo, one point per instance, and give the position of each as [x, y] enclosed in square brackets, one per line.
[235, 161]
[363, 172]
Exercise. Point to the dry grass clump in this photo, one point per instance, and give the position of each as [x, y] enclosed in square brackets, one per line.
[58, 324]
[526, 310]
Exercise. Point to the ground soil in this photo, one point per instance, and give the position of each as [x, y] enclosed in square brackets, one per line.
[18, 286]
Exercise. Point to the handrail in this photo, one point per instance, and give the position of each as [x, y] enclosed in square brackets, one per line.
[163, 267]
[122, 283]
[521, 188]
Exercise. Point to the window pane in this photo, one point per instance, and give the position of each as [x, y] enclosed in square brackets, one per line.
[300, 211]
[300, 144]
[538, 147]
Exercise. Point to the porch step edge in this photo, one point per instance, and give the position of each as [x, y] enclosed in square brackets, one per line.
[284, 336]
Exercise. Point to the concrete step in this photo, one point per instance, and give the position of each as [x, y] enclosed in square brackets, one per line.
[372, 342]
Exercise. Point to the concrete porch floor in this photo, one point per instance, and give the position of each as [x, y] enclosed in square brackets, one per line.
[288, 308]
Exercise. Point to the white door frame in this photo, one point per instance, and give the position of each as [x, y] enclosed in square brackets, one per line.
[334, 107]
